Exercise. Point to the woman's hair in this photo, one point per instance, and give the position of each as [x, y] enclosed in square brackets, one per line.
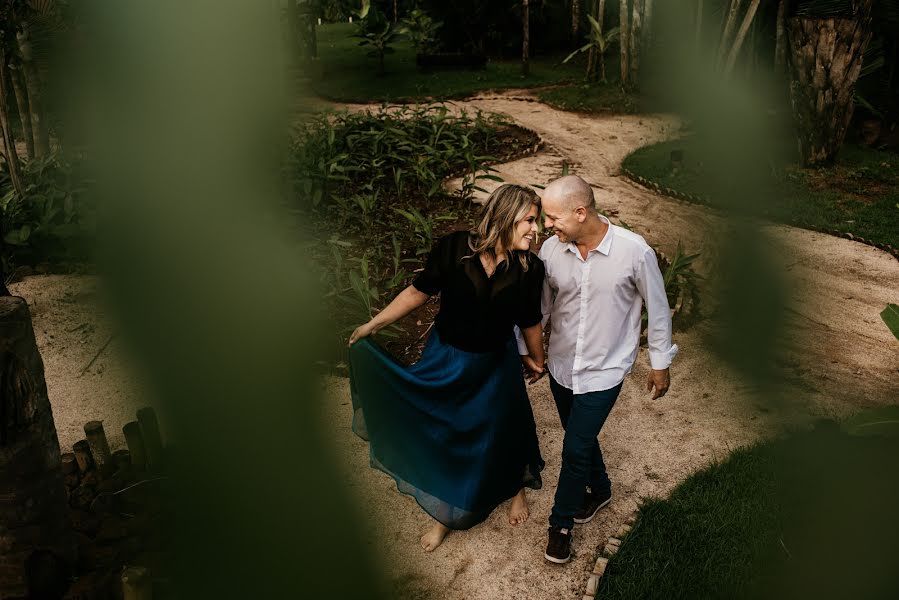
[506, 206]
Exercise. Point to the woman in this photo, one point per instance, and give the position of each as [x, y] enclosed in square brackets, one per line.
[456, 429]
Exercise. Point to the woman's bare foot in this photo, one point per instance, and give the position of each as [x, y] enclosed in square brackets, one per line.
[518, 511]
[434, 537]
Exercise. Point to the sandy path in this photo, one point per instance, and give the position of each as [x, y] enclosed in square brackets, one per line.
[650, 446]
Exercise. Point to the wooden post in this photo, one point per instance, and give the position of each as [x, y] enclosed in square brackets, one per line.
[135, 442]
[136, 584]
[33, 506]
[69, 464]
[96, 439]
[149, 428]
[122, 460]
[83, 455]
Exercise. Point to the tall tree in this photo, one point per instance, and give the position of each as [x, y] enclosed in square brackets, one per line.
[624, 35]
[575, 20]
[10, 156]
[33, 84]
[741, 36]
[825, 60]
[24, 109]
[635, 40]
[780, 43]
[525, 38]
[730, 22]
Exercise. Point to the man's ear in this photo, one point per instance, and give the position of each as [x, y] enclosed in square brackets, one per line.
[581, 213]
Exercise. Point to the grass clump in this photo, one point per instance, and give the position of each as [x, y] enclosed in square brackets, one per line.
[858, 195]
[812, 515]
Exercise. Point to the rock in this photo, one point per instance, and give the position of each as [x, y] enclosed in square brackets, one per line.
[592, 586]
[600, 567]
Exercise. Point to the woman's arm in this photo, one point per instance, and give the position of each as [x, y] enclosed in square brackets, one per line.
[535, 360]
[407, 301]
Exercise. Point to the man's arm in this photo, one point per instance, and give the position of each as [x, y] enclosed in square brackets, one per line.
[658, 329]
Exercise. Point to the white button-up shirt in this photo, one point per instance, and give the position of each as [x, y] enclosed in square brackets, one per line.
[595, 306]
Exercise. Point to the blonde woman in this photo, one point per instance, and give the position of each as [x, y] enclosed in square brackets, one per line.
[456, 430]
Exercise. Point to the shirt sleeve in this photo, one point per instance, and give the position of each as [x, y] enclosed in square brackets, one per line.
[430, 280]
[529, 313]
[658, 329]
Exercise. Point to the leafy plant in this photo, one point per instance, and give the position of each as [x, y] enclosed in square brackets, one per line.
[890, 316]
[51, 220]
[598, 42]
[682, 286]
[377, 31]
[422, 30]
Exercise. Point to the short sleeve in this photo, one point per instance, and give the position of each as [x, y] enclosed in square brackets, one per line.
[530, 312]
[430, 280]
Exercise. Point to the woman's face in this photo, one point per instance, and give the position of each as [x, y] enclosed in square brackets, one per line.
[526, 229]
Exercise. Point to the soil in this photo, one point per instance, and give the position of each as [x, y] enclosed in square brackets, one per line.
[847, 360]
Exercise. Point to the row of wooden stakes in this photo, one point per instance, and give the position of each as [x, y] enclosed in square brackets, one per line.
[145, 451]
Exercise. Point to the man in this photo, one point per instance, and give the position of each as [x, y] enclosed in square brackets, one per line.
[598, 276]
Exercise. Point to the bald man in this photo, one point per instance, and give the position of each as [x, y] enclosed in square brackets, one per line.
[598, 276]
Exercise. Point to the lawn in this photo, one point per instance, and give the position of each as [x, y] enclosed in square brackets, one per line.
[812, 515]
[348, 75]
[858, 195]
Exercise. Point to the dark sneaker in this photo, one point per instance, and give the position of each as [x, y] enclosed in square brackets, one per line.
[592, 503]
[558, 550]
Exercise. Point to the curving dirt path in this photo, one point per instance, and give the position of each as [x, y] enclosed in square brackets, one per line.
[848, 360]
[650, 446]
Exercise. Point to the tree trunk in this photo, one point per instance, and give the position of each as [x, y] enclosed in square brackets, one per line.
[636, 41]
[33, 83]
[647, 23]
[9, 143]
[699, 10]
[825, 61]
[21, 93]
[293, 32]
[525, 38]
[575, 21]
[780, 45]
[729, 24]
[623, 37]
[741, 36]
[600, 13]
[33, 511]
[395, 13]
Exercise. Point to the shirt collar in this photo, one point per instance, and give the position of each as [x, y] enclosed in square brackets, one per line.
[605, 245]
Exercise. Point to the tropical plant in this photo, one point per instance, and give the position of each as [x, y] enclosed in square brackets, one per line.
[421, 30]
[597, 42]
[377, 31]
[890, 316]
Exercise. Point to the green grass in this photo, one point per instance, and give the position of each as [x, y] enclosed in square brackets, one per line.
[591, 98]
[858, 195]
[813, 515]
[349, 75]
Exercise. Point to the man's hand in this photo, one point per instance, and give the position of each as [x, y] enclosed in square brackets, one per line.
[534, 370]
[660, 379]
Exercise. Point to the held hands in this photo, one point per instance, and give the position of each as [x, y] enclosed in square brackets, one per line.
[361, 332]
[534, 370]
[660, 379]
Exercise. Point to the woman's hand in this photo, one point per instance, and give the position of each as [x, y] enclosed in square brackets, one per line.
[360, 332]
[535, 370]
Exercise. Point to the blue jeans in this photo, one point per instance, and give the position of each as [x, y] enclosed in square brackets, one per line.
[582, 415]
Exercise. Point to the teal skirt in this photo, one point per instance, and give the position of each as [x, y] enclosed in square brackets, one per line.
[455, 430]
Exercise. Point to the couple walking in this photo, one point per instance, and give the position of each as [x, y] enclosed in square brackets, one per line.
[456, 429]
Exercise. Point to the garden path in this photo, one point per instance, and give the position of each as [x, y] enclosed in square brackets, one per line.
[848, 359]
[651, 446]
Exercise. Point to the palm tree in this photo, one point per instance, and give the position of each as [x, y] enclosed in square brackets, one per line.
[822, 92]
[33, 511]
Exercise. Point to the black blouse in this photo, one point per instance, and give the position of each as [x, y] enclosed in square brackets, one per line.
[477, 312]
